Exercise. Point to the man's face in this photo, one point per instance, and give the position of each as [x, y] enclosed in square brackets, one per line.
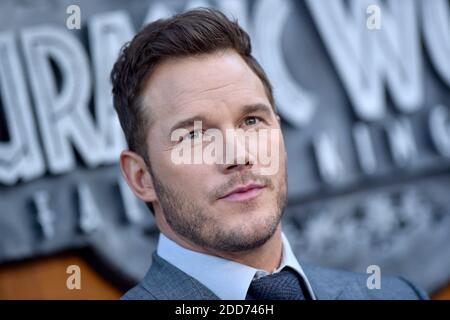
[221, 91]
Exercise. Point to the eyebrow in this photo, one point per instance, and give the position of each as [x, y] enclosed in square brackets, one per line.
[249, 108]
[188, 122]
[257, 107]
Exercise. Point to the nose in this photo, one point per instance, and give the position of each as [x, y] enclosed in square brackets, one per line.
[237, 156]
[234, 167]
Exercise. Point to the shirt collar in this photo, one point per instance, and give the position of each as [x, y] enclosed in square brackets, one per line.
[227, 279]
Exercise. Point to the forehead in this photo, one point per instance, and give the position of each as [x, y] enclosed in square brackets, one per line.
[189, 84]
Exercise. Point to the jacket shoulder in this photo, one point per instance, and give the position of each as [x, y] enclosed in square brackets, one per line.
[337, 284]
[139, 292]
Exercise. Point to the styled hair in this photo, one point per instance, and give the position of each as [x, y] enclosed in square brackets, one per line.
[194, 32]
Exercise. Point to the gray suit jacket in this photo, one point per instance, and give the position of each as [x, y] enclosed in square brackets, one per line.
[166, 282]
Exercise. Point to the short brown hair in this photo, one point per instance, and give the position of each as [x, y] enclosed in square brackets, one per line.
[194, 32]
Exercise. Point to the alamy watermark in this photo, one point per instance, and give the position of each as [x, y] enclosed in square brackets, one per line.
[259, 147]
[373, 21]
[73, 281]
[374, 280]
[73, 21]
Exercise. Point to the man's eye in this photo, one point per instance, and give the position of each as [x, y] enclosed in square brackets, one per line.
[251, 121]
[193, 135]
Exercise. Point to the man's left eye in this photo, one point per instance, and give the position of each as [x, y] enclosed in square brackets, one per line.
[251, 121]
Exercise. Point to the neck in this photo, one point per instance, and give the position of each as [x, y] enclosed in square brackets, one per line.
[266, 257]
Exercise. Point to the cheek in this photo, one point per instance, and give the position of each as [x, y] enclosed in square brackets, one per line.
[191, 179]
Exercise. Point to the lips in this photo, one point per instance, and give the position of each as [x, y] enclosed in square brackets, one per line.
[244, 193]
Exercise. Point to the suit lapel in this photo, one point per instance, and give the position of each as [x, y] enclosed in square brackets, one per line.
[166, 282]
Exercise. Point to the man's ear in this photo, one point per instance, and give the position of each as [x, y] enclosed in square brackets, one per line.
[137, 176]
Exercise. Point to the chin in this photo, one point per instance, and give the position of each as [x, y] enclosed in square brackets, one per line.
[258, 222]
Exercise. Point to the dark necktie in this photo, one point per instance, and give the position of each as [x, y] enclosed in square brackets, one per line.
[283, 285]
